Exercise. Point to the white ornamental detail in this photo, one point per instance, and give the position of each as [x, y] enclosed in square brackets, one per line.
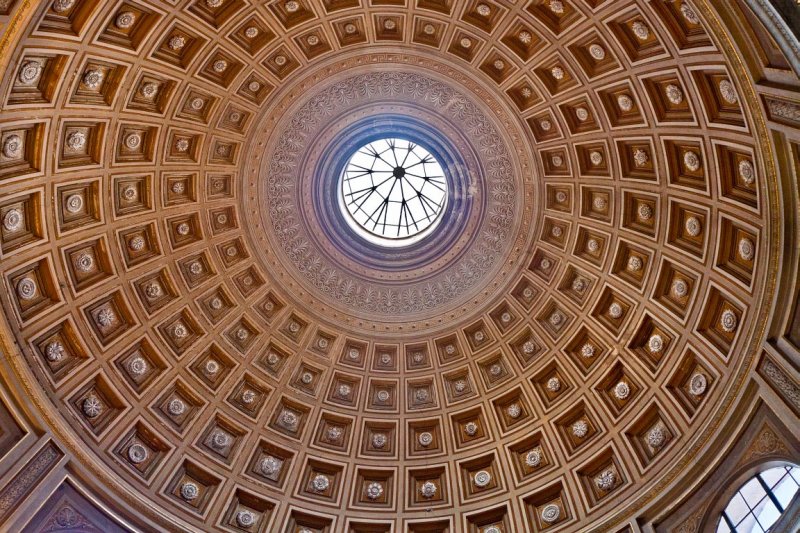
[12, 147]
[746, 249]
[30, 72]
[728, 91]
[320, 483]
[640, 30]
[374, 490]
[747, 173]
[482, 478]
[728, 321]
[606, 480]
[689, 14]
[674, 94]
[125, 20]
[189, 491]
[597, 52]
[428, 489]
[551, 513]
[534, 457]
[691, 161]
[693, 226]
[580, 428]
[698, 384]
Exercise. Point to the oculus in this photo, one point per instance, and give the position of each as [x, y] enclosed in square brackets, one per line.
[393, 192]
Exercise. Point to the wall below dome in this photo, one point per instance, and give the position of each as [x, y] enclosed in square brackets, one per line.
[179, 307]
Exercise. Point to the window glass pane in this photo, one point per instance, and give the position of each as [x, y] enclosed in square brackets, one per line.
[794, 475]
[736, 509]
[767, 514]
[748, 525]
[772, 475]
[785, 491]
[754, 509]
[752, 492]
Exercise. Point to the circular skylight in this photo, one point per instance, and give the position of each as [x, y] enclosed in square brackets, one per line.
[393, 192]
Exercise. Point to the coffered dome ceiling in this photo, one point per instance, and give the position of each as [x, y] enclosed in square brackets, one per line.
[193, 315]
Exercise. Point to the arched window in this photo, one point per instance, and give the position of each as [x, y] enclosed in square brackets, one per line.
[759, 503]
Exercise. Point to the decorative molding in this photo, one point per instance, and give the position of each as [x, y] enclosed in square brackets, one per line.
[25, 481]
[693, 523]
[787, 388]
[766, 443]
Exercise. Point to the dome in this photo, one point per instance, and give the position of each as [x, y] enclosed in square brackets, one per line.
[395, 265]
